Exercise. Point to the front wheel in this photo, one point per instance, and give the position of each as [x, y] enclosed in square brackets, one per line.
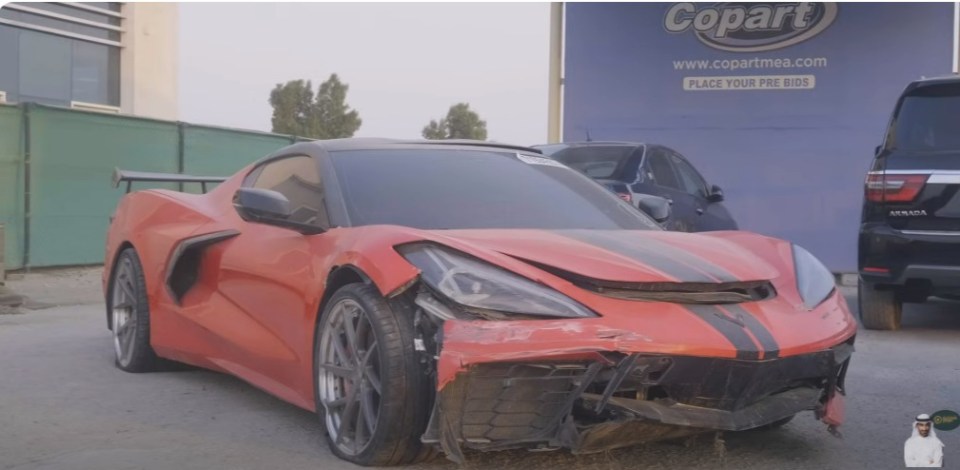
[879, 309]
[371, 394]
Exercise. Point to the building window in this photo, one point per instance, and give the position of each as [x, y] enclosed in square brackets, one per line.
[60, 53]
[96, 73]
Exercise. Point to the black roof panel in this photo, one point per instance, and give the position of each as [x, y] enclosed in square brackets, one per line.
[370, 143]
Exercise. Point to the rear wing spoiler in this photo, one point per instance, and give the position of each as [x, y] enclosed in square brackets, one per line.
[121, 176]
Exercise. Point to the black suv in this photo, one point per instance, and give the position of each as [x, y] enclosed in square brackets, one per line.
[635, 171]
[909, 247]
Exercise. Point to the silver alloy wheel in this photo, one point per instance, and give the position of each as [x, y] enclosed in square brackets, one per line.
[123, 310]
[349, 377]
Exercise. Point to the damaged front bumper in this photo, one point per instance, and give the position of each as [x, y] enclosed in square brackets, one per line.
[597, 401]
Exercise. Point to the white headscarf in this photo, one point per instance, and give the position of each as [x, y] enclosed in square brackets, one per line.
[924, 418]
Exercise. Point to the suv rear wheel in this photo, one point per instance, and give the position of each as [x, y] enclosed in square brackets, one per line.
[879, 309]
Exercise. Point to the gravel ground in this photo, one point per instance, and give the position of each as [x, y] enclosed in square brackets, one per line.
[63, 405]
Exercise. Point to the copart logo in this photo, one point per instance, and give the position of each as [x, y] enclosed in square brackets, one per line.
[751, 27]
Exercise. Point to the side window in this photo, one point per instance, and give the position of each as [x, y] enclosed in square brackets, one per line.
[663, 174]
[692, 182]
[296, 178]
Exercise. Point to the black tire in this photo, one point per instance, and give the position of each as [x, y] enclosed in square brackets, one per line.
[405, 392]
[133, 352]
[879, 309]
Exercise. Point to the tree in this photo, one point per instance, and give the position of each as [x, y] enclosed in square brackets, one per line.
[460, 123]
[336, 119]
[293, 108]
[326, 115]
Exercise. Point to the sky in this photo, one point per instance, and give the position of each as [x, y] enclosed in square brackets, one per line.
[406, 63]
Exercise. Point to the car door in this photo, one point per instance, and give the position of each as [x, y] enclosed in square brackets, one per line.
[711, 215]
[268, 275]
[662, 180]
[694, 186]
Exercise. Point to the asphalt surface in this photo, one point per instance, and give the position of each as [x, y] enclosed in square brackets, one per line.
[63, 405]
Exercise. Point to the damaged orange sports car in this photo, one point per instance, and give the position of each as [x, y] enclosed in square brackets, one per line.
[452, 295]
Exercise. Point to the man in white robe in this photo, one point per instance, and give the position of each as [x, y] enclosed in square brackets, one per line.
[923, 449]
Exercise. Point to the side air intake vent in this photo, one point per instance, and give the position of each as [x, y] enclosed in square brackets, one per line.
[184, 268]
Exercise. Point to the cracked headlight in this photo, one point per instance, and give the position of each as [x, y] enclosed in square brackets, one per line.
[814, 281]
[475, 284]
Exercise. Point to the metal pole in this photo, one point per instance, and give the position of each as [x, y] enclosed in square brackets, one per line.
[555, 85]
[26, 185]
[956, 36]
[3, 272]
[180, 157]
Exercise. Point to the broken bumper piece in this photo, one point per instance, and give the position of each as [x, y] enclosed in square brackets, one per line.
[607, 400]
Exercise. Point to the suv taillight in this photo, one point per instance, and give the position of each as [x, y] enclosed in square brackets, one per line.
[892, 187]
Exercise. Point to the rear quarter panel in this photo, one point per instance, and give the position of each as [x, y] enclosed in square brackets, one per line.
[152, 222]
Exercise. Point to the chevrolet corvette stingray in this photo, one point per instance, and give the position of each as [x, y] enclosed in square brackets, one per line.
[451, 295]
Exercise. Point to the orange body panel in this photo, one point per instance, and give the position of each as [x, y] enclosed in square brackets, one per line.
[253, 310]
[657, 328]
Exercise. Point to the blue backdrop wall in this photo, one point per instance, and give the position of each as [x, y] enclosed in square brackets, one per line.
[791, 140]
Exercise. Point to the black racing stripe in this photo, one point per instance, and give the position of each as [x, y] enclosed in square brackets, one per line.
[771, 349]
[684, 256]
[746, 348]
[661, 261]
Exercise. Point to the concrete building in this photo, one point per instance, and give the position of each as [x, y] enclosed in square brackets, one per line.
[103, 56]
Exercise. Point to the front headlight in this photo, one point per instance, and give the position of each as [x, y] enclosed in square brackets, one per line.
[814, 281]
[480, 285]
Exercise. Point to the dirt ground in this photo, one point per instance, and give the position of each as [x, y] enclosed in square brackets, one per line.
[46, 288]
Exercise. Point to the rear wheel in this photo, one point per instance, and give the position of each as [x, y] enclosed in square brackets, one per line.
[371, 395]
[129, 311]
[879, 309]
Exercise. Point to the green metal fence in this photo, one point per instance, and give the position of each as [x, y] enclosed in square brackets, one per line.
[56, 165]
[11, 184]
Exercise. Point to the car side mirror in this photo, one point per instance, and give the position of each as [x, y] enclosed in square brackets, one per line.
[876, 150]
[656, 207]
[716, 194]
[256, 203]
[269, 207]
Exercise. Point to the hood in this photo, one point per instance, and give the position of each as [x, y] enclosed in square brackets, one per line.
[634, 256]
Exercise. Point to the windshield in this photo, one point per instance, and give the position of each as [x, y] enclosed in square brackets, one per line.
[462, 189]
[929, 120]
[605, 162]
